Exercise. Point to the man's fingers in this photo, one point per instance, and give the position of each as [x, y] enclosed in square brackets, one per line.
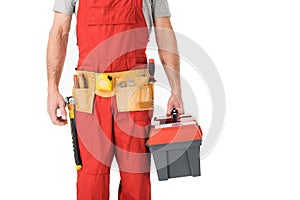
[55, 103]
[170, 108]
[176, 103]
[180, 111]
[55, 119]
[59, 121]
[178, 108]
[63, 118]
[63, 111]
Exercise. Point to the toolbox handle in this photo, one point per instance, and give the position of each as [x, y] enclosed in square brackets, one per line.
[174, 114]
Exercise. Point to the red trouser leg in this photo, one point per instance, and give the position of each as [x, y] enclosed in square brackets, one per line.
[96, 150]
[100, 135]
[131, 132]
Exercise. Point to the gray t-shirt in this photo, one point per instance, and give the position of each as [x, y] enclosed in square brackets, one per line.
[151, 9]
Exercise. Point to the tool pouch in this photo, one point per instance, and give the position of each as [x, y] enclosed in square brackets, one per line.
[84, 97]
[135, 97]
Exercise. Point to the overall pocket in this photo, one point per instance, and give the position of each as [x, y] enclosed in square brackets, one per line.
[109, 33]
[112, 3]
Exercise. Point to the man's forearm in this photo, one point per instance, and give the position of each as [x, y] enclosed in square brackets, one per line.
[57, 47]
[171, 63]
[56, 53]
[168, 53]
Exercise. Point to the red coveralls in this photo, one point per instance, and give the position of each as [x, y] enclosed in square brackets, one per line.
[107, 132]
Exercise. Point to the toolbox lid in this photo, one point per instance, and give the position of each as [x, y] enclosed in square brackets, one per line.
[174, 134]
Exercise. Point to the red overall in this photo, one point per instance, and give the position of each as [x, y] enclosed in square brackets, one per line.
[107, 132]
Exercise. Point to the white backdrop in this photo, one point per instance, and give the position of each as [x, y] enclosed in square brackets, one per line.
[255, 46]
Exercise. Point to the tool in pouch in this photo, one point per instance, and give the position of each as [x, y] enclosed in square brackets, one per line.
[151, 71]
[84, 92]
[70, 101]
[135, 89]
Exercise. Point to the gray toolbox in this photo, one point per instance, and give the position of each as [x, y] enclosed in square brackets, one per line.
[175, 146]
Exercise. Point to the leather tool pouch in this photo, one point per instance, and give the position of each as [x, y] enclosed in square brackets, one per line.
[134, 93]
[84, 96]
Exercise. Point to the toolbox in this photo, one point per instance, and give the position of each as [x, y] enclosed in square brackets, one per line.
[175, 143]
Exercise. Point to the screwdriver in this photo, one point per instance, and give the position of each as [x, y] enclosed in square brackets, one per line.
[151, 70]
[75, 79]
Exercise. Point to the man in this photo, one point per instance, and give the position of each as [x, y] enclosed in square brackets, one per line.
[112, 36]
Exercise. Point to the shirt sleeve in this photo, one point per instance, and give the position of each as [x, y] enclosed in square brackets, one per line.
[65, 6]
[161, 8]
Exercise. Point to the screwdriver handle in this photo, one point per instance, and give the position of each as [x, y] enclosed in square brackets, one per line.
[151, 70]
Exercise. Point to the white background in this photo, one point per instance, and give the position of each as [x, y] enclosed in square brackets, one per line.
[255, 46]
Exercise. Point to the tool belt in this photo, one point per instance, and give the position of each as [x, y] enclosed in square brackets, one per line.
[132, 88]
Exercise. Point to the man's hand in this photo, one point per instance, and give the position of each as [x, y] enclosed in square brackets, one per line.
[56, 102]
[175, 102]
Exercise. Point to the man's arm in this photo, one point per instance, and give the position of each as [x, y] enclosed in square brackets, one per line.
[56, 53]
[168, 53]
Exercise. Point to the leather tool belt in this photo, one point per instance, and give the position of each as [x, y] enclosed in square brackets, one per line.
[132, 89]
